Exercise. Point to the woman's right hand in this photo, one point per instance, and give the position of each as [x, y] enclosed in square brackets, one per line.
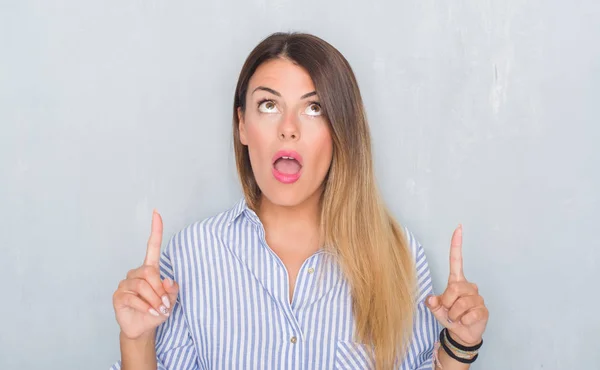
[143, 301]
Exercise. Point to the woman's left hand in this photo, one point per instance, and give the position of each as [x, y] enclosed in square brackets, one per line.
[460, 308]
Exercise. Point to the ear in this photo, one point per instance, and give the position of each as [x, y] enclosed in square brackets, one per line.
[242, 127]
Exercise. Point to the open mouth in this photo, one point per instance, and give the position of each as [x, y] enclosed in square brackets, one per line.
[287, 166]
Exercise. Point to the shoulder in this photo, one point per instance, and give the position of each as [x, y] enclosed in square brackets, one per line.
[203, 233]
[413, 244]
[424, 281]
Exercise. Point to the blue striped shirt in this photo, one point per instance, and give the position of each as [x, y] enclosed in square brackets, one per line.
[233, 310]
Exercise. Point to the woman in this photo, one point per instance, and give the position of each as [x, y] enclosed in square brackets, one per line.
[309, 270]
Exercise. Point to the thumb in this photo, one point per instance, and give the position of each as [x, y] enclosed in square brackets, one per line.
[434, 304]
[172, 289]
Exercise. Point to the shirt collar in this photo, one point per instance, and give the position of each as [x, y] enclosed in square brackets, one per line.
[241, 208]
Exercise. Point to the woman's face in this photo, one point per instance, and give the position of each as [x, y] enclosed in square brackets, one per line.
[288, 138]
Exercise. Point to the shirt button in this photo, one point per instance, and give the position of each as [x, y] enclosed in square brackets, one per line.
[311, 270]
[294, 340]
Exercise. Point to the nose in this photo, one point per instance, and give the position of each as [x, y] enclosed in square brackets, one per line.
[288, 130]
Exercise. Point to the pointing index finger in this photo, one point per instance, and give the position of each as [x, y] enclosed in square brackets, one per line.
[155, 241]
[456, 260]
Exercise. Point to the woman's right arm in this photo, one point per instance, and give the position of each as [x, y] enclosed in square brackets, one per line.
[144, 302]
[138, 353]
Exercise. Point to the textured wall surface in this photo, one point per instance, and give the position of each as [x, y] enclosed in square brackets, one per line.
[484, 113]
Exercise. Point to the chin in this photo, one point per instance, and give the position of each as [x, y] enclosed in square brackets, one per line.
[289, 195]
[285, 198]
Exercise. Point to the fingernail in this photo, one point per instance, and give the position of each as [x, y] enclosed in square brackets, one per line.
[165, 300]
[164, 310]
[431, 301]
[153, 312]
[169, 282]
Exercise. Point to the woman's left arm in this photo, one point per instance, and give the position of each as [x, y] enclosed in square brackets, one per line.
[460, 309]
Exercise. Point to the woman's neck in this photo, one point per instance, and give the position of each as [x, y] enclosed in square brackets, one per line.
[299, 223]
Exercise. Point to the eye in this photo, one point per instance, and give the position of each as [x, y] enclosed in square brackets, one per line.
[314, 109]
[267, 106]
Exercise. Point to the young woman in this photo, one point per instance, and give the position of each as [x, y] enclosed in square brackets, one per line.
[309, 270]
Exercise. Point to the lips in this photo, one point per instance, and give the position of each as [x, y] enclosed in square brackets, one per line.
[287, 166]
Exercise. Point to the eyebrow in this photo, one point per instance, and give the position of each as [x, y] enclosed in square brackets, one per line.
[312, 93]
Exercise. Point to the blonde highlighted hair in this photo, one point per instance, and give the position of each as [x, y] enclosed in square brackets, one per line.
[370, 246]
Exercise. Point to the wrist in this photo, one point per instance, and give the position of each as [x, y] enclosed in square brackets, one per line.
[462, 342]
[138, 353]
[142, 338]
[459, 352]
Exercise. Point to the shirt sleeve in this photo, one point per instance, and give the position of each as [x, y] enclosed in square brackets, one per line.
[175, 349]
[426, 329]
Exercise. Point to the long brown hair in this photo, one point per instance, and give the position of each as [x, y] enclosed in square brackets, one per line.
[369, 244]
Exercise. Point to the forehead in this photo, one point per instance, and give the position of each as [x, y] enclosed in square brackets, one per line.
[284, 76]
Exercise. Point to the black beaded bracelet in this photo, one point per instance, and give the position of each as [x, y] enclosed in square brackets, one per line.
[445, 335]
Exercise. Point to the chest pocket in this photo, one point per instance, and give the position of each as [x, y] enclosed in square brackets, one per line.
[352, 356]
